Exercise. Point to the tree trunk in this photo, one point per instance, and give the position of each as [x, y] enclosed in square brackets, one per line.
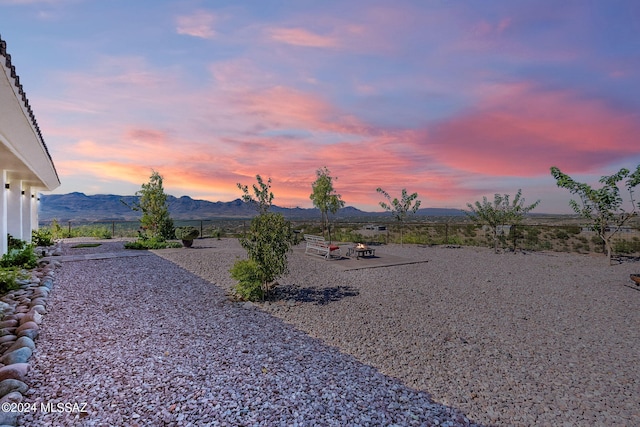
[609, 250]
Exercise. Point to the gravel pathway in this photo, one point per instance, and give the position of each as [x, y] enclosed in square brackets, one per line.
[143, 342]
[510, 339]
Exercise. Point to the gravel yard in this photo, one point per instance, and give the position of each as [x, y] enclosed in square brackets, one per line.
[510, 339]
[143, 342]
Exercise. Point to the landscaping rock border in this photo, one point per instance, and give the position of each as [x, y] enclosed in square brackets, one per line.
[22, 310]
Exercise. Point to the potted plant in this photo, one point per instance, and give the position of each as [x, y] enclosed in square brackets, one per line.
[187, 234]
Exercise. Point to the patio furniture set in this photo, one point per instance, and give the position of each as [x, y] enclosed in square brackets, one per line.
[317, 245]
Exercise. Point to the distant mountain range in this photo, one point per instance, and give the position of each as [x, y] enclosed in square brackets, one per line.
[108, 207]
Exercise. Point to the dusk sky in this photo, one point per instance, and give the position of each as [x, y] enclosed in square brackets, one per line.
[454, 100]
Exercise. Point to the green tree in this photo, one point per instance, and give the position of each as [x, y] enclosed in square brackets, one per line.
[400, 208]
[152, 202]
[262, 197]
[500, 213]
[603, 207]
[267, 244]
[325, 198]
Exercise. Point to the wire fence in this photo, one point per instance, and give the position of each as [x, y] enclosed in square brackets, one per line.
[555, 237]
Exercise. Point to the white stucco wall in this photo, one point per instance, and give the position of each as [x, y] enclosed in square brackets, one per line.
[25, 163]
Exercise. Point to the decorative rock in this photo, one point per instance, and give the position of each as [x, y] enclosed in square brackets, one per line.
[32, 316]
[25, 326]
[39, 309]
[37, 301]
[17, 371]
[9, 323]
[7, 338]
[10, 418]
[10, 385]
[21, 355]
[22, 342]
[30, 333]
[4, 306]
[7, 331]
[41, 291]
[13, 397]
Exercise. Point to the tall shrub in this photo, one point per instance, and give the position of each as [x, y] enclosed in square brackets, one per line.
[267, 244]
[602, 207]
[400, 208]
[325, 198]
[152, 202]
[500, 213]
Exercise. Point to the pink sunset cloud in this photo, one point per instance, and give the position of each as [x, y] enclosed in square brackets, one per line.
[448, 101]
[520, 130]
[198, 24]
[300, 37]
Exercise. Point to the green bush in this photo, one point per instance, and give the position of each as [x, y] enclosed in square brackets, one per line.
[153, 243]
[22, 258]
[100, 233]
[247, 273]
[13, 243]
[9, 277]
[187, 233]
[269, 240]
[42, 237]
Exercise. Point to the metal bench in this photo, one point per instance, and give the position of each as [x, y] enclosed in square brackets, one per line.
[316, 245]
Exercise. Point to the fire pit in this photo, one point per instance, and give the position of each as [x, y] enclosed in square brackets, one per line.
[361, 250]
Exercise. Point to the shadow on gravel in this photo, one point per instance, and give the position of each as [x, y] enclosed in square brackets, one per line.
[320, 296]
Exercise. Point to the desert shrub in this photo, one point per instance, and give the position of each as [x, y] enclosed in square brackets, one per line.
[626, 246]
[247, 273]
[21, 258]
[546, 245]
[13, 243]
[100, 232]
[599, 244]
[561, 234]
[580, 247]
[454, 240]
[9, 278]
[42, 237]
[531, 236]
[187, 233]
[470, 230]
[413, 238]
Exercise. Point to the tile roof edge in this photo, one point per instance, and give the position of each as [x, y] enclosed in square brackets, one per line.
[21, 92]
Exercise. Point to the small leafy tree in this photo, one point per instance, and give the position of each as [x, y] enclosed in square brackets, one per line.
[267, 243]
[325, 198]
[603, 207]
[400, 208]
[262, 197]
[152, 202]
[500, 213]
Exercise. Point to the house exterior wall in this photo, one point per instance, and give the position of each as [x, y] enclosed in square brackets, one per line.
[3, 211]
[26, 166]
